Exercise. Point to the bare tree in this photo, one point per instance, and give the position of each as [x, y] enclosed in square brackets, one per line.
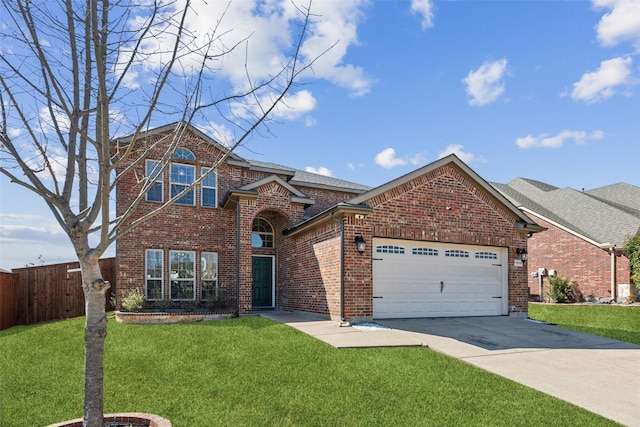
[68, 88]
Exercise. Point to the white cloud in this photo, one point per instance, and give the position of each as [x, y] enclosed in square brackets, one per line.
[462, 155]
[424, 8]
[600, 84]
[556, 141]
[263, 34]
[321, 170]
[622, 22]
[354, 166]
[485, 84]
[387, 159]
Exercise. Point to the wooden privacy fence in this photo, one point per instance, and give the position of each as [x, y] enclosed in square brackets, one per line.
[8, 283]
[48, 292]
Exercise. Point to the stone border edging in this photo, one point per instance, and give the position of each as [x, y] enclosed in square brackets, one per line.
[124, 417]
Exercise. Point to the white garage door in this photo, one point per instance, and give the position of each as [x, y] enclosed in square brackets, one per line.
[427, 279]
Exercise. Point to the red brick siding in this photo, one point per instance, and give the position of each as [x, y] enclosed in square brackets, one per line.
[311, 267]
[575, 259]
[324, 199]
[446, 206]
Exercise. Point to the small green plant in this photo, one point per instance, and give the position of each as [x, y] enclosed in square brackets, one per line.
[163, 304]
[189, 305]
[133, 299]
[561, 290]
[632, 250]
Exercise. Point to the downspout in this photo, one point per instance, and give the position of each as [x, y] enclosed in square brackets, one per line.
[343, 321]
[614, 278]
[237, 255]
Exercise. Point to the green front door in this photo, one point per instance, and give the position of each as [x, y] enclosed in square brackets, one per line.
[262, 268]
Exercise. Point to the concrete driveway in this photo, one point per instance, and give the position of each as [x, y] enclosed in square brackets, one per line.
[598, 374]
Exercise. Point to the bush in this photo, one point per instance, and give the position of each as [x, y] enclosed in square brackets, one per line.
[133, 300]
[560, 290]
[632, 250]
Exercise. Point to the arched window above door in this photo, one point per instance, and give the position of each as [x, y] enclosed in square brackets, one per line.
[262, 234]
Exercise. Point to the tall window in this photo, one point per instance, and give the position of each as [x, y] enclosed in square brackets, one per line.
[154, 173]
[182, 176]
[209, 189]
[262, 234]
[209, 275]
[182, 275]
[153, 281]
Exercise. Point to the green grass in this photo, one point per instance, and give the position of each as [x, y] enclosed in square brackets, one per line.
[255, 372]
[619, 322]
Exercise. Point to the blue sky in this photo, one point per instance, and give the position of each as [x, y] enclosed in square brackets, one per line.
[546, 90]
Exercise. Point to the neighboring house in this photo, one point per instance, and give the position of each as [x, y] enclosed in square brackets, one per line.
[586, 233]
[439, 241]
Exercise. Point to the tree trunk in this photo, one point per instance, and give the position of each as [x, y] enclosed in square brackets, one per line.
[95, 333]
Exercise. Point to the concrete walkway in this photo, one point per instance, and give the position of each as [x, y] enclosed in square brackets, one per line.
[598, 374]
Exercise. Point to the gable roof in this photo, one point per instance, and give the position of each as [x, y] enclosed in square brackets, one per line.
[621, 195]
[293, 176]
[452, 159]
[358, 203]
[605, 216]
[252, 190]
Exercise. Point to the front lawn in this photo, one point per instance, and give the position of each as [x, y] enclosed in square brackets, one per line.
[254, 372]
[619, 322]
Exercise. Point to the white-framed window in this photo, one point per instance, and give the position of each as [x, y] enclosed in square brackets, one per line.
[154, 289]
[208, 275]
[209, 189]
[153, 170]
[182, 271]
[456, 253]
[389, 249]
[261, 234]
[183, 176]
[184, 154]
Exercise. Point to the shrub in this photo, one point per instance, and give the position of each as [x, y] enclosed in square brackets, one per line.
[560, 290]
[632, 250]
[133, 300]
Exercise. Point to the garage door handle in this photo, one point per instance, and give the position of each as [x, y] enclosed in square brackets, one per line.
[496, 297]
[378, 297]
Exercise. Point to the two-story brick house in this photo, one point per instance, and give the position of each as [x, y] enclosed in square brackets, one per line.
[439, 241]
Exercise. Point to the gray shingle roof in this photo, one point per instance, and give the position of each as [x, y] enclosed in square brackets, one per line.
[309, 179]
[604, 215]
[623, 196]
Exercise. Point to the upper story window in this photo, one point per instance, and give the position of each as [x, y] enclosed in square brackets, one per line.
[182, 176]
[262, 234]
[184, 154]
[209, 188]
[153, 170]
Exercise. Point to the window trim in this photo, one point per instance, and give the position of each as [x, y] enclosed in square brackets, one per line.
[177, 279]
[147, 278]
[173, 184]
[203, 187]
[215, 274]
[159, 179]
[270, 234]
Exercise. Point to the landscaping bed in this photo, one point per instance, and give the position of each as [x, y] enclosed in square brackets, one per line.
[162, 317]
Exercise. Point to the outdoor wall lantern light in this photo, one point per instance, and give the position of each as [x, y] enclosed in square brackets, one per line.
[522, 252]
[361, 244]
